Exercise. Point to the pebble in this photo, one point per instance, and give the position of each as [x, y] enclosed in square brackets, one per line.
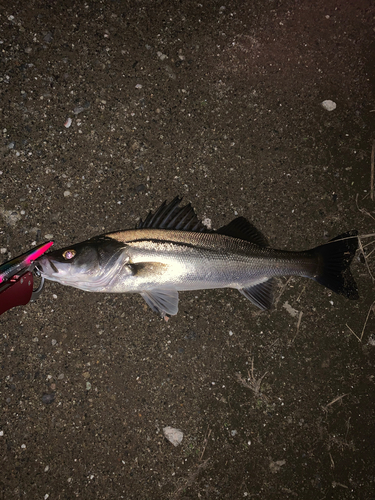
[81, 109]
[88, 386]
[207, 222]
[174, 436]
[329, 105]
[3, 250]
[48, 236]
[68, 123]
[67, 193]
[47, 399]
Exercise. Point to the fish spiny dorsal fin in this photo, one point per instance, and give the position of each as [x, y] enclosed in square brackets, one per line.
[172, 216]
[242, 229]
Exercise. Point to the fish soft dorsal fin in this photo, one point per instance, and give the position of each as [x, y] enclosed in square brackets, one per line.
[172, 216]
[242, 229]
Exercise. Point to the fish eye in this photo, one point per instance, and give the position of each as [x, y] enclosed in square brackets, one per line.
[69, 254]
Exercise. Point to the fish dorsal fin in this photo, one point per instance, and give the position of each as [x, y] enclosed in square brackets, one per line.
[243, 229]
[163, 300]
[261, 294]
[172, 216]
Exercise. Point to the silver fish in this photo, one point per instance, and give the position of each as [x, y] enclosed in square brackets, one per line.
[173, 251]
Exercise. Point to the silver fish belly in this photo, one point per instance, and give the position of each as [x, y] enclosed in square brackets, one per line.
[172, 251]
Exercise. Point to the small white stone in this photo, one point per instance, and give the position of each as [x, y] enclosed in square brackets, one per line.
[161, 56]
[54, 296]
[329, 105]
[207, 222]
[23, 446]
[46, 468]
[48, 236]
[230, 332]
[1, 433]
[68, 123]
[174, 436]
[3, 250]
[138, 86]
[67, 193]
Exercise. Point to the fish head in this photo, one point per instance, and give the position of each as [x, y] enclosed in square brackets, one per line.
[90, 265]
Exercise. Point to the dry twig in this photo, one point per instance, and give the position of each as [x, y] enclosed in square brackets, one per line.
[372, 308]
[190, 480]
[282, 291]
[252, 383]
[372, 171]
[338, 398]
[298, 325]
[205, 443]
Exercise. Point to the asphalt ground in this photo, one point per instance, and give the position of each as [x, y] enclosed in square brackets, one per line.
[108, 108]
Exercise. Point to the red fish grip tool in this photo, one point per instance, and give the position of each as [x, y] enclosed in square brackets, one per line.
[17, 280]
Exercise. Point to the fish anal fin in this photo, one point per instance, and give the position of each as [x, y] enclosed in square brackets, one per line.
[242, 229]
[162, 301]
[260, 294]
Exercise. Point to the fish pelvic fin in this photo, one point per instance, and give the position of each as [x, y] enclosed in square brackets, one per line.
[335, 258]
[163, 301]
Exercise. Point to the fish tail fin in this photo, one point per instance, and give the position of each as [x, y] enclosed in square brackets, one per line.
[335, 258]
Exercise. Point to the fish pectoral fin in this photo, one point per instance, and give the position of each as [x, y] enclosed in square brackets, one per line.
[162, 300]
[261, 294]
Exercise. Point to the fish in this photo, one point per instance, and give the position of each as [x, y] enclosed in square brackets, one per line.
[172, 251]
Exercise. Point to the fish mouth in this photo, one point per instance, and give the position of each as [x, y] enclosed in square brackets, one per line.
[42, 265]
